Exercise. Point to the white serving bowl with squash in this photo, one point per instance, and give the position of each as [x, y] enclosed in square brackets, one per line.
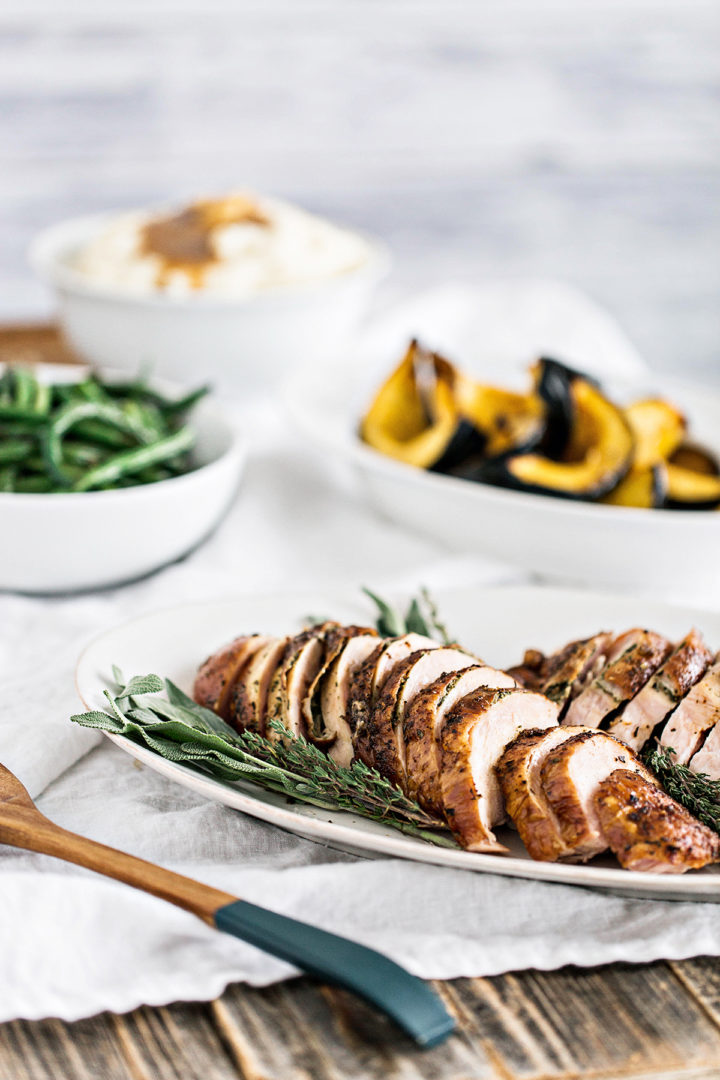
[614, 485]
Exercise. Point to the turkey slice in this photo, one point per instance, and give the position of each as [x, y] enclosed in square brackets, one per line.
[633, 659]
[697, 713]
[407, 679]
[216, 678]
[685, 666]
[423, 722]
[474, 736]
[519, 772]
[570, 777]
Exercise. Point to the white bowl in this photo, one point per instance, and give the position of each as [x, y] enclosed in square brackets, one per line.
[87, 540]
[587, 543]
[244, 344]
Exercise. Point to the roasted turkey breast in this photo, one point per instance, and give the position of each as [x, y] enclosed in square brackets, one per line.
[216, 678]
[322, 730]
[632, 659]
[335, 694]
[385, 726]
[570, 776]
[697, 713]
[424, 718]
[474, 736]
[300, 663]
[369, 679]
[248, 700]
[647, 830]
[658, 697]
[519, 772]
[568, 671]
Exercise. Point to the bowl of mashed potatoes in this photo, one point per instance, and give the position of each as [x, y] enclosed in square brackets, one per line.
[239, 288]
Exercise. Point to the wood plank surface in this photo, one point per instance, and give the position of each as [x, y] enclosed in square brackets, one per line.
[651, 1022]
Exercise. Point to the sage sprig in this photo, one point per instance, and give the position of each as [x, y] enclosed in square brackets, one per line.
[179, 730]
[421, 617]
[697, 792]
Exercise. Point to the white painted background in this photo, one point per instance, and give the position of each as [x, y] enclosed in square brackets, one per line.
[575, 138]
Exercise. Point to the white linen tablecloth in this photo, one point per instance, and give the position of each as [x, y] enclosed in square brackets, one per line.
[73, 943]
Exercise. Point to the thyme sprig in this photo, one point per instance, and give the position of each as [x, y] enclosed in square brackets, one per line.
[179, 730]
[697, 792]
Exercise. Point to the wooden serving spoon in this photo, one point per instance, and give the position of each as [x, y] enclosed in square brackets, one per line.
[408, 1000]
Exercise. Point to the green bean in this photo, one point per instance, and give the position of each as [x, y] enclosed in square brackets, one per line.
[17, 412]
[100, 432]
[88, 435]
[36, 485]
[24, 387]
[43, 399]
[7, 478]
[130, 462]
[184, 404]
[83, 453]
[15, 450]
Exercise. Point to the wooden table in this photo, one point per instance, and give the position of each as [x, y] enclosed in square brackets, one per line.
[659, 1021]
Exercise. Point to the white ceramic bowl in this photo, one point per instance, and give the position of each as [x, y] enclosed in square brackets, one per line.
[243, 344]
[68, 542]
[579, 542]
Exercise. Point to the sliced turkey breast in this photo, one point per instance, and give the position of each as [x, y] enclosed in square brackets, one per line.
[532, 672]
[248, 701]
[570, 776]
[300, 663]
[658, 697]
[423, 722]
[216, 678]
[335, 695]
[633, 658]
[707, 759]
[696, 714]
[385, 733]
[474, 736]
[336, 639]
[571, 669]
[369, 679]
[647, 830]
[519, 772]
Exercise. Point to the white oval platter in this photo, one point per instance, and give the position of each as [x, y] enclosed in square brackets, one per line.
[497, 623]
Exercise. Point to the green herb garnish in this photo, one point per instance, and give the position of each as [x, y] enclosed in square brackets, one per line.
[421, 617]
[179, 730]
[697, 792]
[89, 436]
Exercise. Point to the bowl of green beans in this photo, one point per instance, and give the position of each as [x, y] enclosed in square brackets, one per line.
[103, 479]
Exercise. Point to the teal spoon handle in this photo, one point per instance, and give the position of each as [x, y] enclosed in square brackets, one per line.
[332, 959]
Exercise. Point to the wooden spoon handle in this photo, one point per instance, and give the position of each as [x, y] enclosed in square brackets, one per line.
[326, 956]
[31, 830]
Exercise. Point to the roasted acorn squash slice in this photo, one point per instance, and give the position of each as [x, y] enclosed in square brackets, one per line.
[511, 423]
[598, 454]
[644, 488]
[688, 490]
[553, 381]
[658, 429]
[695, 458]
[415, 418]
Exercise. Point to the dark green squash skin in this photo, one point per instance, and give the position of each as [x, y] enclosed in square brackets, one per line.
[685, 504]
[554, 388]
[659, 488]
[466, 442]
[499, 474]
